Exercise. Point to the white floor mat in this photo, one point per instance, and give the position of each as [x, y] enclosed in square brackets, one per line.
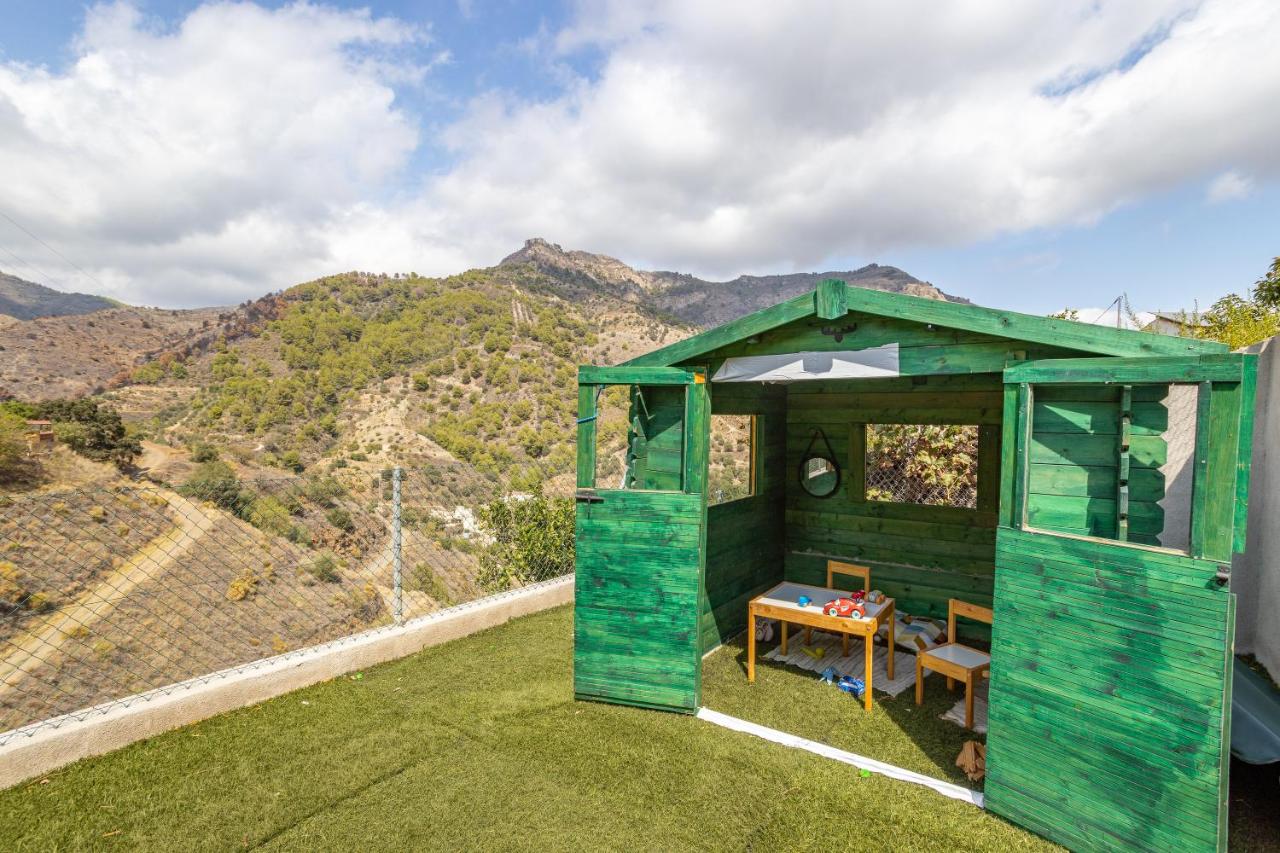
[904, 663]
[955, 714]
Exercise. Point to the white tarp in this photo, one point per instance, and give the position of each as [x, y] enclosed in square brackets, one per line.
[801, 366]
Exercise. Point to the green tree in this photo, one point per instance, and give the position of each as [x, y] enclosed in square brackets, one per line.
[92, 430]
[532, 540]
[217, 483]
[1239, 321]
[13, 448]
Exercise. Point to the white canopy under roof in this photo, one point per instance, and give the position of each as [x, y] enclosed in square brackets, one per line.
[802, 366]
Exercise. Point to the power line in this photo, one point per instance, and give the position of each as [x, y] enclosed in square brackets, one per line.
[25, 230]
[46, 277]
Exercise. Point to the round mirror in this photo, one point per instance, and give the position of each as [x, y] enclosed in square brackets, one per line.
[819, 476]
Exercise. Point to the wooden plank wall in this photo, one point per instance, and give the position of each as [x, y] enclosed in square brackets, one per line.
[636, 593]
[656, 437]
[920, 555]
[745, 537]
[1107, 694]
[1076, 454]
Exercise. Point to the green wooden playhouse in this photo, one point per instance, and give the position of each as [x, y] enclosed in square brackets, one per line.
[1111, 651]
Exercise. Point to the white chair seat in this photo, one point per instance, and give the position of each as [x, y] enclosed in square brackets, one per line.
[961, 656]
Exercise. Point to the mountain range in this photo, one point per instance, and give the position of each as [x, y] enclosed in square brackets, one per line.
[57, 344]
[25, 300]
[353, 373]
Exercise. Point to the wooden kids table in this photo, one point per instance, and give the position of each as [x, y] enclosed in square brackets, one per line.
[781, 603]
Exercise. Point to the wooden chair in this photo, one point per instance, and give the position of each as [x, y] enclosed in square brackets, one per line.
[956, 660]
[835, 567]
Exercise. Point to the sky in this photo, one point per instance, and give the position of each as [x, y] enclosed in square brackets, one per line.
[1026, 155]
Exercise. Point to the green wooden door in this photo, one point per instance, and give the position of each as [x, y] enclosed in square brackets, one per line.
[640, 542]
[1110, 714]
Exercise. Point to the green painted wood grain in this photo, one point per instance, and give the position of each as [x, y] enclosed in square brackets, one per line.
[1106, 693]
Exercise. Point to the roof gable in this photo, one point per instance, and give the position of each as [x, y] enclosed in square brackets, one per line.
[833, 298]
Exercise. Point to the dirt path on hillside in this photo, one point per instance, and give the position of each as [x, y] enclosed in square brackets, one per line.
[45, 643]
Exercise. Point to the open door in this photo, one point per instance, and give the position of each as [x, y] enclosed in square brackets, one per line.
[640, 537]
[1124, 493]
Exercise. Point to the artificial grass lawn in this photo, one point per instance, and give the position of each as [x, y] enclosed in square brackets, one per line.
[479, 744]
[796, 701]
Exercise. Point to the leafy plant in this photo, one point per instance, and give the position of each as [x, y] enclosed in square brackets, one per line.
[532, 540]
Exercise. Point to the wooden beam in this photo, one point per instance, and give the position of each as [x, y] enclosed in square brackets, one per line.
[1225, 367]
[592, 375]
[586, 437]
[1244, 461]
[1008, 454]
[830, 300]
[1026, 327]
[1122, 472]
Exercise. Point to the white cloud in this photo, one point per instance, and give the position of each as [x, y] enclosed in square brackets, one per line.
[206, 163]
[247, 149]
[736, 136]
[1229, 186]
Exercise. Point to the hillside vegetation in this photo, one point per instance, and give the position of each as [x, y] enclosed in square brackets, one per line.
[26, 300]
[483, 365]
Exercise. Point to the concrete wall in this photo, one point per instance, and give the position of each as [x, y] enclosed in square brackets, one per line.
[1255, 575]
[42, 747]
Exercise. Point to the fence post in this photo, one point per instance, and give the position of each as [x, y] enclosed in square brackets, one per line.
[397, 579]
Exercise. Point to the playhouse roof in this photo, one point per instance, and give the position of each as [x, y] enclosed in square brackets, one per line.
[833, 299]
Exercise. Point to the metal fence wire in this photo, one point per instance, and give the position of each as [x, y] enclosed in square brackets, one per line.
[930, 464]
[111, 591]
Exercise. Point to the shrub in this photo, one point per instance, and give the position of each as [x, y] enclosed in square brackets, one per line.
[244, 585]
[532, 540]
[324, 568]
[217, 483]
[204, 452]
[341, 519]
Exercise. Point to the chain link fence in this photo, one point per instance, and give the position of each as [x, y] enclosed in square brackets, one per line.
[112, 591]
[929, 464]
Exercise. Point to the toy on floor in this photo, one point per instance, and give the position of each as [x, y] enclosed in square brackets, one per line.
[764, 630]
[846, 607]
[817, 653]
[828, 675]
[849, 684]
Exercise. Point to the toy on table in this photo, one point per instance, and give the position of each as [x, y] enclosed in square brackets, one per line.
[875, 597]
[804, 601]
[846, 607]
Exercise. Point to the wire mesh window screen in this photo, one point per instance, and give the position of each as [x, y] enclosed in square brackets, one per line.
[929, 464]
[730, 475]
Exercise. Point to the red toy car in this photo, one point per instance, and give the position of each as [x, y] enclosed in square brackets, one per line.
[844, 607]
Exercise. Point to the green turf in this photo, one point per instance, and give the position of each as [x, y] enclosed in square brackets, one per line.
[479, 744]
[796, 701]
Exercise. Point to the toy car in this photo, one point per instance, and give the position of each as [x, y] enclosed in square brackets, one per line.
[844, 607]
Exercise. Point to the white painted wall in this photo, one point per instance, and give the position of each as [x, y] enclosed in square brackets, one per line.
[1255, 575]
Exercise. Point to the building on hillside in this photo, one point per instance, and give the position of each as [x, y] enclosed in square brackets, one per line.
[40, 437]
[1173, 322]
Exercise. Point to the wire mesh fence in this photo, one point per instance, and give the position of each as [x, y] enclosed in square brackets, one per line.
[108, 592]
[930, 464]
